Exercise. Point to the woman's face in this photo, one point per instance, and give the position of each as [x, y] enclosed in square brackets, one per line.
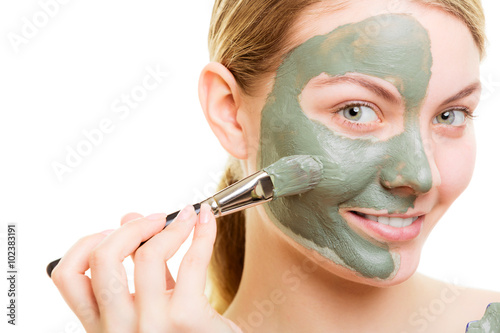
[382, 96]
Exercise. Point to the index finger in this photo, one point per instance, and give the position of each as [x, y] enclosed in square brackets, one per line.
[109, 278]
[191, 278]
[71, 281]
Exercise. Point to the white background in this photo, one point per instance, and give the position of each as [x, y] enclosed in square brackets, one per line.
[65, 80]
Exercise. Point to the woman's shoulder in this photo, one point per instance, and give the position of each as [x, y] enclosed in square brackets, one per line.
[473, 305]
[456, 305]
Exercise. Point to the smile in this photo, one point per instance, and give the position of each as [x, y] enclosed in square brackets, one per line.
[396, 222]
[387, 227]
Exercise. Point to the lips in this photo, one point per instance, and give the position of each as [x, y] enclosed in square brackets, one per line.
[385, 227]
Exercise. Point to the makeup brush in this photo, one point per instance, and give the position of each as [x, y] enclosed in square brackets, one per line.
[290, 175]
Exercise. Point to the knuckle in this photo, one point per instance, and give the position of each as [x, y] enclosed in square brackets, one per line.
[145, 254]
[59, 276]
[206, 237]
[181, 320]
[193, 259]
[179, 230]
[99, 257]
[85, 240]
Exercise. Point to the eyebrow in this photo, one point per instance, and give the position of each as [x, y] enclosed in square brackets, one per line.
[467, 91]
[378, 90]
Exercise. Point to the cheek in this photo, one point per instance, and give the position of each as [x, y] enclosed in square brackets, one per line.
[455, 162]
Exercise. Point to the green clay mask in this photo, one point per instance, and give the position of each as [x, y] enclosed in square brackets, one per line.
[489, 323]
[354, 168]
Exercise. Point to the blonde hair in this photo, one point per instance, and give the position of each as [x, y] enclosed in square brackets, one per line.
[249, 37]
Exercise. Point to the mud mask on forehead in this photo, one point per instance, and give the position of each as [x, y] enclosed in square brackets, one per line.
[354, 169]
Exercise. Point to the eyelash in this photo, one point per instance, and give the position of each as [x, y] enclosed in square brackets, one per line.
[364, 126]
[466, 110]
[355, 125]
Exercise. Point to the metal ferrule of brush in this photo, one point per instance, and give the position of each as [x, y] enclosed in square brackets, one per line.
[248, 192]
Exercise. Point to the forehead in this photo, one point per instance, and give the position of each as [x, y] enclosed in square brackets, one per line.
[455, 57]
[398, 52]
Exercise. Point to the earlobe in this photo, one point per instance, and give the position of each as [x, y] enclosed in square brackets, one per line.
[220, 100]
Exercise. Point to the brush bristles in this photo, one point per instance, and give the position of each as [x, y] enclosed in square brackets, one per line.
[295, 174]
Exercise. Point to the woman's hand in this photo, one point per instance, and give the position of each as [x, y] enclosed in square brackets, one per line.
[103, 303]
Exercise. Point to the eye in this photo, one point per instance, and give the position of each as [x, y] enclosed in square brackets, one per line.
[451, 117]
[358, 113]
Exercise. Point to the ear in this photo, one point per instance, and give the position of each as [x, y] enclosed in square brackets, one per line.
[220, 99]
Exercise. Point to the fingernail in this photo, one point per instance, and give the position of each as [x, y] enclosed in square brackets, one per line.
[107, 232]
[185, 213]
[156, 216]
[205, 213]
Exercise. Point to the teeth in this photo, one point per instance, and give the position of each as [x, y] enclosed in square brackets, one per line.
[382, 219]
[396, 222]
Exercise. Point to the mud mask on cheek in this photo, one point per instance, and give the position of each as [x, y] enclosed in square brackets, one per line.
[355, 169]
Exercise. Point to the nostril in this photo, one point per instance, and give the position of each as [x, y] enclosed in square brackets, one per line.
[403, 191]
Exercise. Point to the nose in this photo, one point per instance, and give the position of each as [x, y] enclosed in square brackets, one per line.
[406, 164]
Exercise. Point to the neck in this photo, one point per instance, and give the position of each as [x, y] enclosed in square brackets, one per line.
[282, 291]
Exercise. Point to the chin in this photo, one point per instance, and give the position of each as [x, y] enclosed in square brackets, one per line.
[406, 264]
[406, 257]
